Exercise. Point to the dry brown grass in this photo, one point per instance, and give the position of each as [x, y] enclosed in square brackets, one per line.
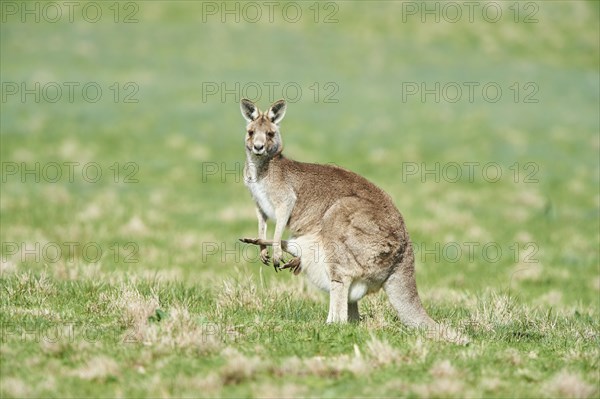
[178, 330]
[566, 384]
[14, 387]
[446, 382]
[239, 367]
[98, 368]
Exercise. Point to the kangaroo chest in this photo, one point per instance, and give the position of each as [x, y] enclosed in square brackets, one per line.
[259, 193]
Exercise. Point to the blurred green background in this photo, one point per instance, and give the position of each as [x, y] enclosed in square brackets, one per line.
[186, 71]
[167, 134]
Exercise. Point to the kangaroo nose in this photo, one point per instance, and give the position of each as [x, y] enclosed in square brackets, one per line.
[259, 147]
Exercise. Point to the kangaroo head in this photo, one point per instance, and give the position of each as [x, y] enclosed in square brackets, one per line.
[262, 130]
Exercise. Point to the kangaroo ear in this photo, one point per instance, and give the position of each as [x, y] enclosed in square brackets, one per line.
[277, 111]
[249, 111]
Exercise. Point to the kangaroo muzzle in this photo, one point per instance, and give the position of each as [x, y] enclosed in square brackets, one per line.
[258, 148]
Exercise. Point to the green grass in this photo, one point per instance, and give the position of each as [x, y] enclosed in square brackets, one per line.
[174, 306]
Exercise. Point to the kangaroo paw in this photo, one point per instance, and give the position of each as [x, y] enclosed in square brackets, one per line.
[293, 264]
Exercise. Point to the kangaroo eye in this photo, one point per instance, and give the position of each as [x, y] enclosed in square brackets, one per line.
[271, 134]
[250, 133]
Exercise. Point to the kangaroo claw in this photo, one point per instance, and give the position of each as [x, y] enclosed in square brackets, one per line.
[293, 264]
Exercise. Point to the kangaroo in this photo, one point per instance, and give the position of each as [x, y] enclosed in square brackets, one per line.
[347, 235]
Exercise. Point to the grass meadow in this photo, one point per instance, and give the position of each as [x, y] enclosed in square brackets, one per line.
[122, 198]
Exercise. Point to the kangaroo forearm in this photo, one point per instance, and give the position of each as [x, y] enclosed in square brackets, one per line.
[282, 216]
[262, 225]
[277, 235]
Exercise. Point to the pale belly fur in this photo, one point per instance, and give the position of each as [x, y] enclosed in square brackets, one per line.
[314, 266]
